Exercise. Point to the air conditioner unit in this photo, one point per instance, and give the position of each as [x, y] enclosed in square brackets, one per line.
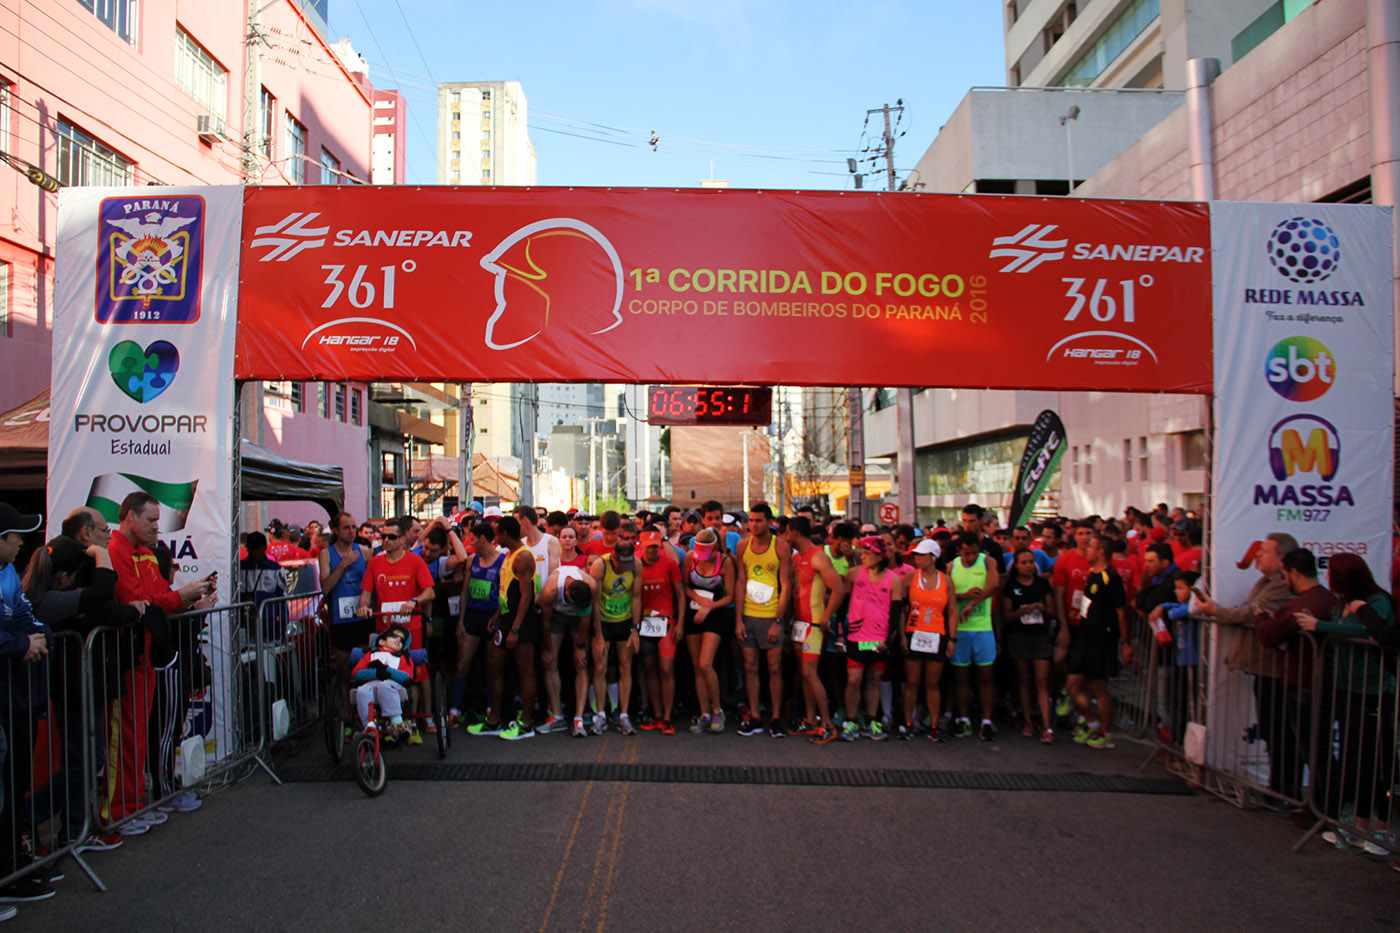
[210, 127]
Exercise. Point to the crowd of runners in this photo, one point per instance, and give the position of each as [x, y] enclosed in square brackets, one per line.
[710, 621]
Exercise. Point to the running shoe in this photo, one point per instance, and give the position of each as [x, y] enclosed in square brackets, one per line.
[826, 734]
[667, 727]
[430, 726]
[624, 725]
[1028, 730]
[651, 725]
[600, 724]
[415, 737]
[1100, 739]
[1341, 840]
[701, 724]
[850, 731]
[182, 803]
[135, 826]
[877, 731]
[807, 727]
[579, 731]
[155, 817]
[1081, 732]
[717, 721]
[936, 734]
[865, 731]
[987, 732]
[485, 727]
[775, 728]
[749, 726]
[1374, 848]
[100, 843]
[552, 724]
[517, 730]
[1047, 736]
[906, 731]
[1063, 704]
[455, 718]
[28, 888]
[962, 728]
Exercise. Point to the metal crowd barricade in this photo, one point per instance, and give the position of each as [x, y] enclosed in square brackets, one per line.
[1352, 754]
[176, 702]
[46, 772]
[295, 646]
[1131, 689]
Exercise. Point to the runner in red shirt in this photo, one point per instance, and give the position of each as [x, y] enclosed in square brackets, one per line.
[283, 546]
[663, 600]
[401, 585]
[609, 522]
[1071, 570]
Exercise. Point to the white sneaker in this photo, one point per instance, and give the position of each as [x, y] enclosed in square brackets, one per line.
[600, 723]
[155, 817]
[135, 826]
[624, 725]
[579, 731]
[8, 912]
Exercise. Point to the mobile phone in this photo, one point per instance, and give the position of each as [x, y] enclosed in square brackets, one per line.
[1199, 594]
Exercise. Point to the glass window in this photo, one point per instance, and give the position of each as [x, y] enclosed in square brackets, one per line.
[1074, 461]
[322, 400]
[355, 406]
[267, 115]
[83, 160]
[1193, 450]
[117, 15]
[340, 403]
[1142, 458]
[296, 151]
[298, 404]
[199, 75]
[1119, 35]
[1127, 460]
[1088, 464]
[330, 169]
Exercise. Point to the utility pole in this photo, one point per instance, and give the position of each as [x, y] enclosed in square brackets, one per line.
[252, 94]
[466, 426]
[529, 403]
[782, 451]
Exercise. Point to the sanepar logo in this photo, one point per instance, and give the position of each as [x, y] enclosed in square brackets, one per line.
[1300, 368]
[1304, 444]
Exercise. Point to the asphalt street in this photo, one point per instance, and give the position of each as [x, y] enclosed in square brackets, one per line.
[531, 855]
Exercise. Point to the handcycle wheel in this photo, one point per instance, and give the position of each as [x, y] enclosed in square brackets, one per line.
[370, 771]
[333, 723]
[439, 688]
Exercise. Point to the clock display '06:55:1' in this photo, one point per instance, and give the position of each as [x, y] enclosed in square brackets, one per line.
[709, 405]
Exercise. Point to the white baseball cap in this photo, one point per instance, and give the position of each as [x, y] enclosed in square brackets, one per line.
[926, 546]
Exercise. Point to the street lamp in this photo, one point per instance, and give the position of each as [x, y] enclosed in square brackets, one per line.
[1070, 116]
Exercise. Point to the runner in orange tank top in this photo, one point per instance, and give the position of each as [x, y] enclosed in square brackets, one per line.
[929, 633]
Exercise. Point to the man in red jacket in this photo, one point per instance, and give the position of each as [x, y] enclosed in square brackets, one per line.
[140, 584]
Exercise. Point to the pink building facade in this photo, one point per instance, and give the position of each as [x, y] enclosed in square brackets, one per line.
[152, 92]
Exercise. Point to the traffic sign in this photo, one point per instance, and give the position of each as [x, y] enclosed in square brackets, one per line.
[889, 513]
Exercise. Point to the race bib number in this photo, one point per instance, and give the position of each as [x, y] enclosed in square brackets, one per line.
[654, 626]
[800, 631]
[925, 642]
[479, 590]
[1033, 618]
[615, 607]
[397, 613]
[1081, 604]
[454, 606]
[706, 594]
[346, 607]
[758, 593]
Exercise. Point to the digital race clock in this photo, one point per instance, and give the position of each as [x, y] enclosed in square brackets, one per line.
[709, 405]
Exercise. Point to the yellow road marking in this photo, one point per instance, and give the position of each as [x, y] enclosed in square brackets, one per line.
[631, 758]
[569, 848]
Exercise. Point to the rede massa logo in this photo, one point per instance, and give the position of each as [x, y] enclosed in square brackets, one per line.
[1304, 250]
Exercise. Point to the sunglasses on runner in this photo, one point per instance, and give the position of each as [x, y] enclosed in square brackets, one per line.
[389, 537]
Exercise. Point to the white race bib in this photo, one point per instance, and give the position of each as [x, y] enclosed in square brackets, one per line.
[706, 594]
[454, 605]
[1081, 604]
[758, 593]
[800, 630]
[925, 642]
[346, 607]
[1033, 618]
[397, 613]
[654, 626]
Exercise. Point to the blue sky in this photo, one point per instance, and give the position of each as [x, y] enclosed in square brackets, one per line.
[775, 92]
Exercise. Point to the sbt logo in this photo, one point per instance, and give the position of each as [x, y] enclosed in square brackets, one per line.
[1300, 368]
[1304, 444]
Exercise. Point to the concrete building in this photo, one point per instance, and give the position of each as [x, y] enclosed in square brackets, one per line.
[1289, 121]
[483, 138]
[153, 93]
[390, 133]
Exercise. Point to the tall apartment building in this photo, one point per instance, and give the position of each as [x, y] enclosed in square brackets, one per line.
[152, 92]
[483, 138]
[390, 133]
[1290, 123]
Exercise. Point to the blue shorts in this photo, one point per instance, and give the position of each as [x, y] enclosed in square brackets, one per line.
[978, 648]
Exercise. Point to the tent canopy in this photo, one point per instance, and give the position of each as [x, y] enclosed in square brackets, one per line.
[24, 441]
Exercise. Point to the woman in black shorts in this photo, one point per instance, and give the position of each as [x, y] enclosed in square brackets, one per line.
[1030, 638]
[708, 579]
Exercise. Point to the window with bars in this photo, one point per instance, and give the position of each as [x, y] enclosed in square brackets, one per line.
[330, 169]
[117, 15]
[340, 403]
[1142, 458]
[1127, 460]
[355, 402]
[322, 400]
[295, 396]
[296, 151]
[267, 117]
[82, 160]
[199, 75]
